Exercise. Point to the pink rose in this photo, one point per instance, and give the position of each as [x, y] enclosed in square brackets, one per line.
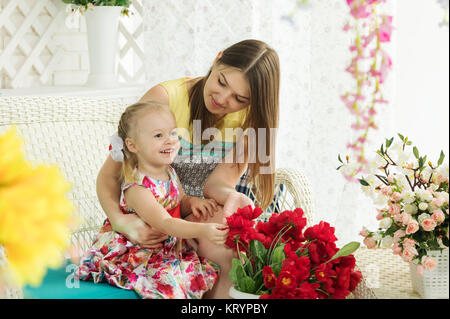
[428, 262]
[438, 201]
[405, 218]
[396, 197]
[394, 209]
[387, 190]
[398, 235]
[412, 227]
[420, 269]
[428, 224]
[409, 243]
[438, 216]
[364, 232]
[380, 215]
[407, 256]
[370, 242]
[397, 250]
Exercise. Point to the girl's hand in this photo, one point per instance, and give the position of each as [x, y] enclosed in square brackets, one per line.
[203, 207]
[139, 232]
[216, 233]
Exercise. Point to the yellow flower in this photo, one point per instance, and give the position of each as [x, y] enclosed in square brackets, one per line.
[35, 213]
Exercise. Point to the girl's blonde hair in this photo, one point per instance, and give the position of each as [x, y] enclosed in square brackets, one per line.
[127, 129]
[260, 64]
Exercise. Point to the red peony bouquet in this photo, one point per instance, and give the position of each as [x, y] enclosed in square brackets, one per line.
[280, 259]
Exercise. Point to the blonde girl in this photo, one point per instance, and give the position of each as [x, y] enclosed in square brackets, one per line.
[152, 191]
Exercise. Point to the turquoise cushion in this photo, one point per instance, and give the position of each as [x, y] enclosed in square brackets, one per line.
[60, 284]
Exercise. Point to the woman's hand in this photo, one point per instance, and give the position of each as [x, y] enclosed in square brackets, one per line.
[203, 207]
[234, 201]
[216, 233]
[139, 232]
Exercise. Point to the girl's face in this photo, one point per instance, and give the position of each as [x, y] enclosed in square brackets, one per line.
[156, 140]
[226, 91]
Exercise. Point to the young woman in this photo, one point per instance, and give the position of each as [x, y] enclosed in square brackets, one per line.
[241, 90]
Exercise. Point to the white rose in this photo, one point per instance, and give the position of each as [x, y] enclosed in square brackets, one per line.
[422, 217]
[376, 236]
[410, 209]
[386, 223]
[387, 242]
[379, 199]
[424, 195]
[408, 197]
[423, 206]
[443, 195]
[443, 170]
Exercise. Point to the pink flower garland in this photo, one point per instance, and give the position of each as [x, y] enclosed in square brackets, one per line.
[369, 67]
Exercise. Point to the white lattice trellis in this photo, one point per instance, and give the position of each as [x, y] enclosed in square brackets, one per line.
[131, 45]
[28, 51]
[32, 49]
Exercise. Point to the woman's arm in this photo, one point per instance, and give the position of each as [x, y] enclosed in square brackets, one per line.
[108, 189]
[153, 213]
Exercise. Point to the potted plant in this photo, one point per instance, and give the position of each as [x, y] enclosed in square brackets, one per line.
[412, 198]
[102, 18]
[280, 259]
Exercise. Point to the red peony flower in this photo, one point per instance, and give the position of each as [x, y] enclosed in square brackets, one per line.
[269, 277]
[286, 280]
[322, 231]
[355, 278]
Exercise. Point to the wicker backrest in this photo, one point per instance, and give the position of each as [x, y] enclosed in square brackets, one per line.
[292, 190]
[73, 132]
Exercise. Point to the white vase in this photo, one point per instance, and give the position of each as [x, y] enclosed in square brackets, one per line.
[236, 294]
[433, 284]
[102, 23]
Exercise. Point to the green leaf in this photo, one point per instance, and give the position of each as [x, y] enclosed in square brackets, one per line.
[409, 143]
[278, 254]
[235, 264]
[389, 143]
[247, 265]
[348, 249]
[363, 182]
[258, 250]
[339, 158]
[416, 152]
[401, 136]
[339, 167]
[420, 162]
[382, 149]
[441, 158]
[247, 284]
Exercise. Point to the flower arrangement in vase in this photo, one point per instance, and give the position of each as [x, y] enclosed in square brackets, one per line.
[280, 259]
[84, 5]
[412, 194]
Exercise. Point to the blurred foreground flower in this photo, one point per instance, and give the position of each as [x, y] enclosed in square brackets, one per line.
[35, 215]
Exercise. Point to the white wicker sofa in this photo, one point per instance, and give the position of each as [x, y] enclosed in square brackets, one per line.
[73, 132]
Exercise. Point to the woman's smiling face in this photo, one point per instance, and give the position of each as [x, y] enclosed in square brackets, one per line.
[226, 91]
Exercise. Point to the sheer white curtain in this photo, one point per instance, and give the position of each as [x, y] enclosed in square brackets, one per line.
[183, 38]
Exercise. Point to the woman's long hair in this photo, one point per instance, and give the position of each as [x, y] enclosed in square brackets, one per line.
[261, 66]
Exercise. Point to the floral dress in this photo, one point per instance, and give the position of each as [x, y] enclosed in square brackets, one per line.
[172, 271]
